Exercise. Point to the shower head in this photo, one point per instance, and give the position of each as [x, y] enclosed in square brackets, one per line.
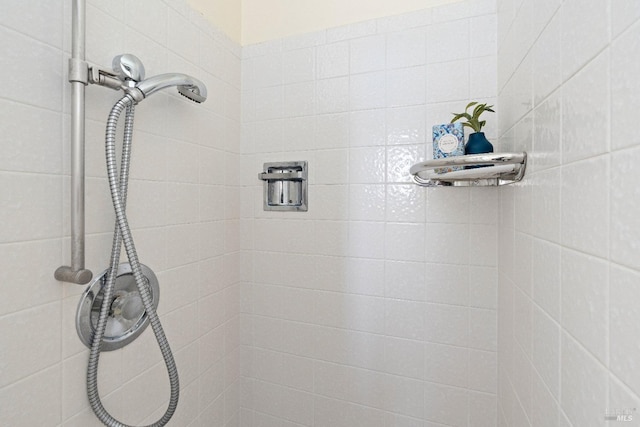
[188, 86]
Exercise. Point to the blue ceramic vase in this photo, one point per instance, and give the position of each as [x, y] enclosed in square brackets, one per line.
[477, 144]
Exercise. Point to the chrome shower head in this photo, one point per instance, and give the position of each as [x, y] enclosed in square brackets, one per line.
[188, 86]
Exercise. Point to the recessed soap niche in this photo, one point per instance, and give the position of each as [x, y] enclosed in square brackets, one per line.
[285, 186]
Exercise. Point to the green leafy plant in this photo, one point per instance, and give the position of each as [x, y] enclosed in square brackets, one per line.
[473, 120]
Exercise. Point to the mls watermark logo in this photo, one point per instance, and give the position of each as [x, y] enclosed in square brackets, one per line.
[619, 414]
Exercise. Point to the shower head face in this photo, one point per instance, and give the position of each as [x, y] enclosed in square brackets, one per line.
[188, 86]
[194, 93]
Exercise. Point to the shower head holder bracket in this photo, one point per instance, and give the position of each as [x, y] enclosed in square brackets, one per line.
[125, 72]
[103, 77]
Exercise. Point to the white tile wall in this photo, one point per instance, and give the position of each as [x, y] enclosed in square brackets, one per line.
[177, 191]
[580, 198]
[390, 313]
[385, 314]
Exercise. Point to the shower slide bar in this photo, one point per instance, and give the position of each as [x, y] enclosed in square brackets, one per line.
[80, 75]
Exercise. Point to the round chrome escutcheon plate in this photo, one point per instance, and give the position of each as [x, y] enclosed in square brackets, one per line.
[127, 315]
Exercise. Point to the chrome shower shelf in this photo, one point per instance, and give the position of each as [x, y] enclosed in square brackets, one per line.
[497, 169]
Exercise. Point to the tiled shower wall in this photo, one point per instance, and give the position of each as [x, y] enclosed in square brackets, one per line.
[183, 207]
[569, 263]
[377, 307]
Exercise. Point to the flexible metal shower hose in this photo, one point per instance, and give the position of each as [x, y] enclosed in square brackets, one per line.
[122, 234]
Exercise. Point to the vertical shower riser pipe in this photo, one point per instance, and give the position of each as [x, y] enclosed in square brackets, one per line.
[78, 77]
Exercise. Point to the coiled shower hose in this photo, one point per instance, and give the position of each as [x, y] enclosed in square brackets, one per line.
[122, 234]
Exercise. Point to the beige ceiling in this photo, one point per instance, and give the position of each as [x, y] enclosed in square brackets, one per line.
[254, 21]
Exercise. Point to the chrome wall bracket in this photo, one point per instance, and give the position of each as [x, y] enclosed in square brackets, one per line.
[285, 186]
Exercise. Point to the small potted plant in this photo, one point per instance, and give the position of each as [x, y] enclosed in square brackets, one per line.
[477, 142]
